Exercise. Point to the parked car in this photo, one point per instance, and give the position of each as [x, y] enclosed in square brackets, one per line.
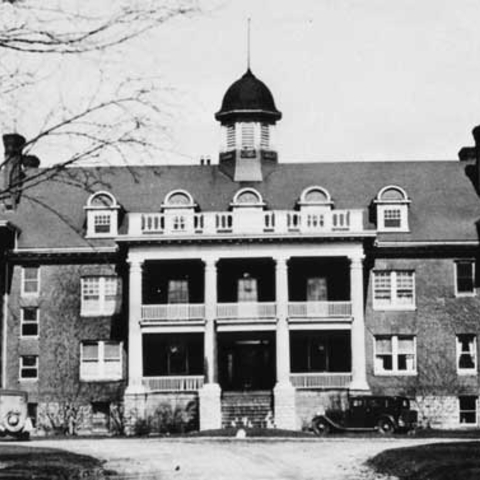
[14, 420]
[364, 413]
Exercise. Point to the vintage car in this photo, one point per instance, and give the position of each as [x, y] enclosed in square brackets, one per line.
[14, 420]
[364, 413]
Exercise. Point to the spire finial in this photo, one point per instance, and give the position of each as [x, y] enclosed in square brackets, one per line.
[248, 43]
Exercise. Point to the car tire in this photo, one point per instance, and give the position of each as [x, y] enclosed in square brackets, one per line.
[385, 426]
[321, 427]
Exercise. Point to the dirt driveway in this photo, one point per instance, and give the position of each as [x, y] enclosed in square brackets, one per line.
[316, 459]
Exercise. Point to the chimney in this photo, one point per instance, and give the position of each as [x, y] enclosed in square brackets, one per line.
[11, 170]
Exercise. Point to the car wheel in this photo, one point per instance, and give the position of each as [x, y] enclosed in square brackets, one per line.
[321, 427]
[385, 426]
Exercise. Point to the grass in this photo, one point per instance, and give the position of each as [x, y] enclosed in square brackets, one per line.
[442, 461]
[252, 432]
[22, 463]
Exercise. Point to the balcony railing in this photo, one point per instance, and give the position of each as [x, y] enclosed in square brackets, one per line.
[320, 380]
[320, 309]
[245, 222]
[173, 311]
[182, 383]
[244, 310]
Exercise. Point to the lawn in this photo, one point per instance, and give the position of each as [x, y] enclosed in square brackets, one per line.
[22, 463]
[441, 461]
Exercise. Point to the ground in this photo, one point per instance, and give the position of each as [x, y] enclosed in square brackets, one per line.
[332, 458]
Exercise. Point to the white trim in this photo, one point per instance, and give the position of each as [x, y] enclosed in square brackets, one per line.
[67, 250]
[167, 206]
[235, 203]
[473, 424]
[100, 375]
[102, 310]
[466, 371]
[306, 191]
[101, 207]
[30, 294]
[394, 304]
[22, 322]
[20, 362]
[395, 372]
[455, 285]
[472, 243]
[379, 199]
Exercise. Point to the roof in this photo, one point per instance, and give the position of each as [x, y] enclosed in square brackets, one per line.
[248, 96]
[444, 204]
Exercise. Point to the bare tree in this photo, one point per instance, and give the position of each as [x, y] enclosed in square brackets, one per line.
[117, 114]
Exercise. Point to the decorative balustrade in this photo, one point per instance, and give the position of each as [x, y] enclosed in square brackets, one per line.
[173, 311]
[320, 380]
[243, 310]
[319, 309]
[245, 222]
[183, 383]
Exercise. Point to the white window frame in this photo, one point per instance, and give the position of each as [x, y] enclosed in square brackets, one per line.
[94, 211]
[395, 304]
[21, 367]
[384, 205]
[100, 375]
[455, 273]
[104, 308]
[466, 371]
[24, 280]
[23, 322]
[472, 424]
[395, 353]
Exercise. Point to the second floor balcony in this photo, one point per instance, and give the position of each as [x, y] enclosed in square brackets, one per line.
[275, 222]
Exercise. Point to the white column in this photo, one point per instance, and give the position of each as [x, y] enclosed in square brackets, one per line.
[210, 395]
[135, 348]
[282, 331]
[210, 341]
[284, 392]
[359, 366]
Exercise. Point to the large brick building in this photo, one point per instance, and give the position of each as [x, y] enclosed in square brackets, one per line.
[251, 290]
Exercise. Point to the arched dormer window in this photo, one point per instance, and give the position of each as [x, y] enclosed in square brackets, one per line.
[178, 199]
[315, 197]
[247, 198]
[392, 209]
[102, 215]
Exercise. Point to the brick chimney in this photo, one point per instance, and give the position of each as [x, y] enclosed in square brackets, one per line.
[11, 170]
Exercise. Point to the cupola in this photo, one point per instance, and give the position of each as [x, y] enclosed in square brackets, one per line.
[247, 118]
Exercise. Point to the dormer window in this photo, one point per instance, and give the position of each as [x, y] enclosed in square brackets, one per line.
[392, 209]
[178, 199]
[247, 198]
[102, 215]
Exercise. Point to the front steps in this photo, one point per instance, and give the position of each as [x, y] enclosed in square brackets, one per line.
[247, 409]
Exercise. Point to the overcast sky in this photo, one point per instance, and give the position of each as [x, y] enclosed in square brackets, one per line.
[355, 79]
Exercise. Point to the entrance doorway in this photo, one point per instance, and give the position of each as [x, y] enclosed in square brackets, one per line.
[246, 361]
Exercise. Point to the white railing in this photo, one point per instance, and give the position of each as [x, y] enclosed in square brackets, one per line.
[320, 380]
[245, 222]
[173, 311]
[232, 311]
[319, 309]
[184, 383]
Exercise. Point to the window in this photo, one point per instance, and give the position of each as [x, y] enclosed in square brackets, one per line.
[231, 137]
[465, 277]
[395, 354]
[317, 289]
[247, 289]
[467, 354]
[247, 197]
[102, 215]
[393, 289]
[101, 360]
[29, 322]
[99, 296]
[248, 135]
[315, 196]
[29, 367]
[392, 209]
[178, 291]
[468, 409]
[102, 222]
[30, 280]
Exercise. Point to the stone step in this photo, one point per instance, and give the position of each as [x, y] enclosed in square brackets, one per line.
[246, 409]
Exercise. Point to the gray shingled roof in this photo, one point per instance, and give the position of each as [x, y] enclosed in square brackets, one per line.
[445, 206]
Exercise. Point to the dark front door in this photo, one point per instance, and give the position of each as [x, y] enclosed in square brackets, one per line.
[247, 365]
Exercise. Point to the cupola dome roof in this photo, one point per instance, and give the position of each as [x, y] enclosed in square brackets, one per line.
[248, 98]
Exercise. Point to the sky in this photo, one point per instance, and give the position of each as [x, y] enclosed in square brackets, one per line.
[355, 79]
